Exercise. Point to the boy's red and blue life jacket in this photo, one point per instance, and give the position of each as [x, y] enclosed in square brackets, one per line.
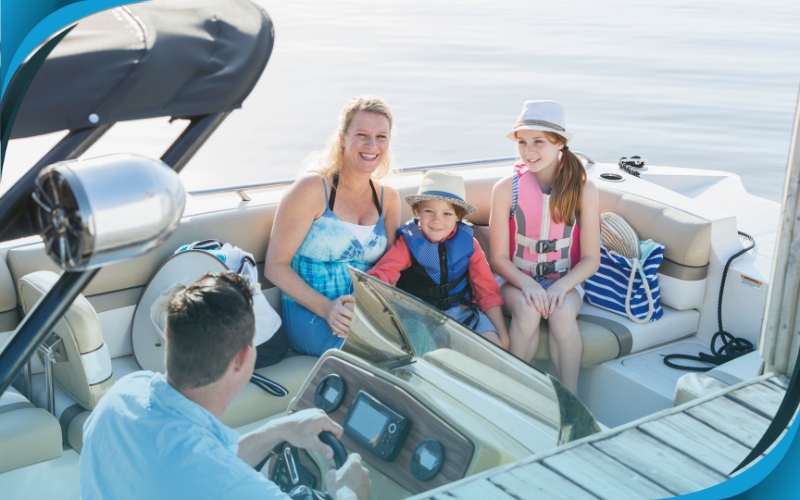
[438, 272]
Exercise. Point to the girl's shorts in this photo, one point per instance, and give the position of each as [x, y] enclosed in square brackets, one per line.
[545, 282]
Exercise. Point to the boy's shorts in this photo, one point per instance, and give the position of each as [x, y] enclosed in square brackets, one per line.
[464, 314]
[545, 282]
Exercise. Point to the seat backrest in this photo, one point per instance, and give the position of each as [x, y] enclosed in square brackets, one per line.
[686, 239]
[86, 374]
[8, 301]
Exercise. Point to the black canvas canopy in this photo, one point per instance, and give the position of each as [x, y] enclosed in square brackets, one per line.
[178, 58]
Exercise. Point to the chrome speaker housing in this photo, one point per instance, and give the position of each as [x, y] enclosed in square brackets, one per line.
[106, 209]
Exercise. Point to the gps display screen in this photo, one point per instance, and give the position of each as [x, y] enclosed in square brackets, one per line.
[367, 421]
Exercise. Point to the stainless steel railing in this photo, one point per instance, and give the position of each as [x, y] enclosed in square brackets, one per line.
[420, 168]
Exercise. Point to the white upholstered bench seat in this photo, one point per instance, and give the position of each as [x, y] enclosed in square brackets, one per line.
[250, 405]
[29, 435]
[608, 336]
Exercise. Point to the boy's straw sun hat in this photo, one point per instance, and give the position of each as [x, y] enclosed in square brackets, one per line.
[444, 186]
[541, 115]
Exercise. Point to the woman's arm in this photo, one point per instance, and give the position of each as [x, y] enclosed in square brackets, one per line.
[391, 219]
[302, 203]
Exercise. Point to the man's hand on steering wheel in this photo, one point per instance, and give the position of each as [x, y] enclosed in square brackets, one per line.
[303, 428]
[351, 481]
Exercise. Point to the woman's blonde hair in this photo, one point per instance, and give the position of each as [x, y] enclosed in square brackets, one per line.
[329, 160]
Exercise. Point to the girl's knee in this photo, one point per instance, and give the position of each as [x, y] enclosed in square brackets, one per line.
[563, 326]
[526, 332]
[524, 312]
[563, 317]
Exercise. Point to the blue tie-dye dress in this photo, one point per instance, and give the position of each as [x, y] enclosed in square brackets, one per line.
[322, 260]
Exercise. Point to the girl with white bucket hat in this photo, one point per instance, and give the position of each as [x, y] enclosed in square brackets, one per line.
[436, 258]
[539, 249]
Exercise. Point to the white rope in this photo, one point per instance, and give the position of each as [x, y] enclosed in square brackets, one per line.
[650, 306]
[618, 236]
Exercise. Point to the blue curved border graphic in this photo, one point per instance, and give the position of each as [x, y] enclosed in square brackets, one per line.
[25, 25]
[29, 23]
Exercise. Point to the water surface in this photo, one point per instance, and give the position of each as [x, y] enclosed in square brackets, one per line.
[710, 84]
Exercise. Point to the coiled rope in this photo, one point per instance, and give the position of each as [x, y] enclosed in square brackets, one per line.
[732, 347]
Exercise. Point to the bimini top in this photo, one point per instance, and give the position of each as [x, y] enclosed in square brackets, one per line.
[159, 58]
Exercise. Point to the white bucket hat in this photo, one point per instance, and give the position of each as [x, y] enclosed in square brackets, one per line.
[444, 186]
[176, 274]
[149, 319]
[541, 115]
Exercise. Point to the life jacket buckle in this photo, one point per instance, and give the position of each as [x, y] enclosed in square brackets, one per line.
[544, 268]
[544, 246]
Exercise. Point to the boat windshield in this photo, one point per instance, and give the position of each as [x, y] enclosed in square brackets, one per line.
[391, 328]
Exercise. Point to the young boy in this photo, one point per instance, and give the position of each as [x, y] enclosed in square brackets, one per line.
[436, 259]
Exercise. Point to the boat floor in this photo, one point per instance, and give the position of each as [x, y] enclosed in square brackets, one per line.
[673, 452]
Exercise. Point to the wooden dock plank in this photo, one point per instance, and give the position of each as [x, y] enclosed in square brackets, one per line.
[603, 476]
[761, 397]
[661, 464]
[537, 481]
[698, 440]
[732, 419]
[781, 381]
[480, 489]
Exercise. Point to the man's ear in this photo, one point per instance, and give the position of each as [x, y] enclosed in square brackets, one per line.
[240, 360]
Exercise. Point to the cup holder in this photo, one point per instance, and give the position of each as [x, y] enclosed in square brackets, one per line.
[611, 177]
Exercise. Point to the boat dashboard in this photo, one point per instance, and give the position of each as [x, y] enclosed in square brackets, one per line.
[392, 430]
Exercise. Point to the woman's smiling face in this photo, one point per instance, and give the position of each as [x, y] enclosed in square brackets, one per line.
[366, 142]
[536, 150]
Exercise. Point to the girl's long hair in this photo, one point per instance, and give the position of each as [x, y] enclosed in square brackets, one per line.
[329, 160]
[565, 200]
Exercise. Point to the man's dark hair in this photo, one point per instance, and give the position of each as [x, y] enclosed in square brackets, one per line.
[208, 323]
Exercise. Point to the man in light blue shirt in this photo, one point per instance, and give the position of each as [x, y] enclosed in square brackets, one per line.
[154, 436]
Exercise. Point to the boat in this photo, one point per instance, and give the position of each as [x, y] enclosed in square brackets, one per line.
[471, 408]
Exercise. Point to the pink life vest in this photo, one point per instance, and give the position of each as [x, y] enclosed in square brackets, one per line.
[543, 247]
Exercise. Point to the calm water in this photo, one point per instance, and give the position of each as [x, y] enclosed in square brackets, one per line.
[710, 84]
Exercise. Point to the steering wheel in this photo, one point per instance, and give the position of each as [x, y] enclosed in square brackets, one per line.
[339, 453]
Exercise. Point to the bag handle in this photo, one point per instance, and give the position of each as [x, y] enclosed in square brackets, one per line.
[650, 305]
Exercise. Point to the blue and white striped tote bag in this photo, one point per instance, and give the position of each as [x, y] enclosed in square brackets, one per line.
[628, 286]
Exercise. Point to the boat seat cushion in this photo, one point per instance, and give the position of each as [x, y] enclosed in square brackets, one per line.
[70, 415]
[8, 301]
[254, 404]
[608, 336]
[87, 373]
[250, 405]
[29, 435]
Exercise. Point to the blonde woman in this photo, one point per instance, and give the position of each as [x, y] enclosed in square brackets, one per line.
[336, 216]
